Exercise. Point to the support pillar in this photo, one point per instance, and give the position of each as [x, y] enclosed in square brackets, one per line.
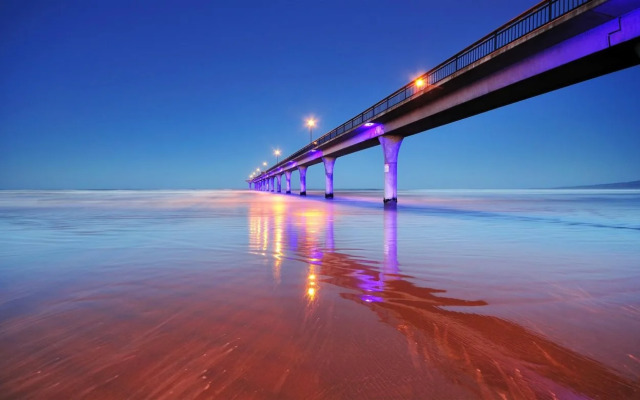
[303, 180]
[287, 175]
[390, 147]
[279, 183]
[272, 183]
[328, 173]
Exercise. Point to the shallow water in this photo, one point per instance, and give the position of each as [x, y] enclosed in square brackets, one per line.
[247, 295]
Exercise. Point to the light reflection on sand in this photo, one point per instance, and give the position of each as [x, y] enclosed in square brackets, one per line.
[302, 311]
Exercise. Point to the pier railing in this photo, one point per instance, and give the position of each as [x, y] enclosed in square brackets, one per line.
[527, 22]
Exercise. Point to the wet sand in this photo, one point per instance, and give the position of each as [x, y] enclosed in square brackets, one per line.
[260, 296]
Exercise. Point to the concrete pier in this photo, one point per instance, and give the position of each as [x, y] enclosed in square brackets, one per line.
[328, 173]
[390, 147]
[279, 183]
[549, 47]
[303, 180]
[287, 176]
[273, 185]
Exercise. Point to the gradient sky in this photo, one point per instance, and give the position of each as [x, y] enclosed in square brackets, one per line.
[157, 94]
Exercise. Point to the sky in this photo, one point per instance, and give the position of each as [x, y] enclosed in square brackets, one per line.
[155, 94]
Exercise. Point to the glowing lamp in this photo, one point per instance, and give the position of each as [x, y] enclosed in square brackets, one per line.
[420, 83]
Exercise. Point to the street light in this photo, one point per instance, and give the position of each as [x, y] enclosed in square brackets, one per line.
[420, 83]
[264, 163]
[311, 123]
[277, 154]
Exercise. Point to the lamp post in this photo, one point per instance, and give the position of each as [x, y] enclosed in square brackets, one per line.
[311, 123]
[277, 154]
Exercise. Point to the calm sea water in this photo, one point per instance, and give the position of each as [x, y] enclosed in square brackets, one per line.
[247, 295]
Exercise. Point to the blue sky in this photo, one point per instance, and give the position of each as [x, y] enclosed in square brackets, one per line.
[196, 94]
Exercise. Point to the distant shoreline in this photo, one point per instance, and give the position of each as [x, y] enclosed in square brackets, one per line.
[618, 185]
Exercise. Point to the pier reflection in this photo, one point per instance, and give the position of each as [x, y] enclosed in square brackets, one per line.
[487, 355]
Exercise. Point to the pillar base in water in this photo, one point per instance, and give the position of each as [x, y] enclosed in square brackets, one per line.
[393, 200]
[288, 192]
[328, 195]
[303, 193]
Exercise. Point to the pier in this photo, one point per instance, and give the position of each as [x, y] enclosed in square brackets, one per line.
[552, 45]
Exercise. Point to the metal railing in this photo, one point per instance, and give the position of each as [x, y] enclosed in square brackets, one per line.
[527, 22]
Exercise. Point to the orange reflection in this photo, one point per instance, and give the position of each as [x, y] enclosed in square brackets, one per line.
[266, 237]
[312, 287]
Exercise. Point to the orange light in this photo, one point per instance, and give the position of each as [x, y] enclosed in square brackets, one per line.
[311, 292]
[420, 83]
[312, 277]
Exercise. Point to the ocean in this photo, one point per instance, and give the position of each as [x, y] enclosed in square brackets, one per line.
[230, 294]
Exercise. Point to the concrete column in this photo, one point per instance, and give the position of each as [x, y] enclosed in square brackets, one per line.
[328, 174]
[390, 147]
[303, 180]
[279, 183]
[287, 175]
[272, 183]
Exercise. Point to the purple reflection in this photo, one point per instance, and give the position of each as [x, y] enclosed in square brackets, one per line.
[371, 299]
[368, 282]
[316, 255]
[390, 260]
